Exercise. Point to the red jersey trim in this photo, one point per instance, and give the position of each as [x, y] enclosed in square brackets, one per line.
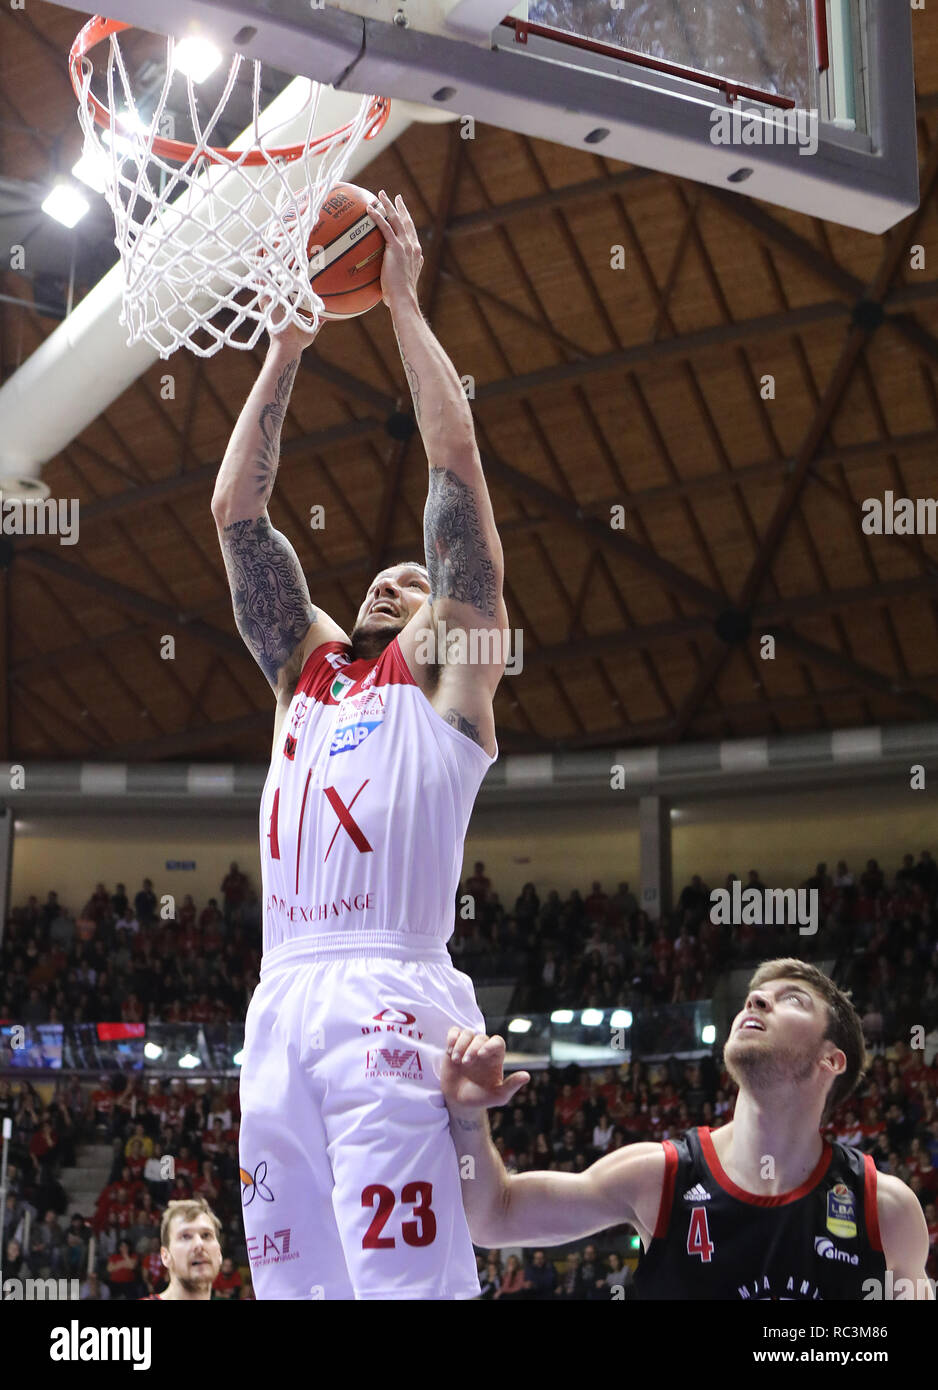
[318, 675]
[399, 664]
[782, 1199]
[870, 1209]
[667, 1190]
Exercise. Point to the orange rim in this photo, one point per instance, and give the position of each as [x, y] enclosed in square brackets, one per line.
[98, 29]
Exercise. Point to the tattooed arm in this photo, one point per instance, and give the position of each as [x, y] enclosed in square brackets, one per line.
[464, 553]
[269, 593]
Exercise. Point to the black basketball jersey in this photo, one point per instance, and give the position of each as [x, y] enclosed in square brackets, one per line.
[713, 1240]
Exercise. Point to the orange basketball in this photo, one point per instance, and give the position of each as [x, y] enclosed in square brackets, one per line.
[347, 273]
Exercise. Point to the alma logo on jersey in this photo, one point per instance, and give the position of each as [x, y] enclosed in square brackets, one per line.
[827, 1250]
[394, 1021]
[393, 1061]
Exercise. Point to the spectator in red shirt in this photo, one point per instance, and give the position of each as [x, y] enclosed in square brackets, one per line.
[662, 950]
[136, 1158]
[229, 1282]
[567, 1103]
[186, 914]
[42, 1148]
[213, 1140]
[515, 1284]
[233, 890]
[201, 1012]
[181, 1190]
[478, 885]
[122, 1272]
[205, 1185]
[151, 1267]
[597, 904]
[209, 914]
[186, 1165]
[102, 1103]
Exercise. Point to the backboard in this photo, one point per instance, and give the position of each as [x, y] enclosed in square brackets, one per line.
[808, 104]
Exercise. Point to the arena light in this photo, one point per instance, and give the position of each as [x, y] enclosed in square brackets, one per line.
[190, 1060]
[196, 58]
[621, 1018]
[708, 1034]
[90, 171]
[152, 1051]
[66, 205]
[519, 1025]
[591, 1018]
[562, 1016]
[238, 1058]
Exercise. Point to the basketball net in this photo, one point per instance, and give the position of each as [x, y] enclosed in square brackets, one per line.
[214, 242]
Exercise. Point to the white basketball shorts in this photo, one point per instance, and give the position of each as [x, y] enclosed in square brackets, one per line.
[349, 1177]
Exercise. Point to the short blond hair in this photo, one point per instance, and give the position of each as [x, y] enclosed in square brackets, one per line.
[187, 1209]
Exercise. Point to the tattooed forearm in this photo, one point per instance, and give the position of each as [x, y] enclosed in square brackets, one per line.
[413, 381]
[460, 722]
[271, 602]
[271, 423]
[458, 557]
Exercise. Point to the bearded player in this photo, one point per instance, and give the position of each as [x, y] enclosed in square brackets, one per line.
[763, 1208]
[190, 1249]
[350, 1186]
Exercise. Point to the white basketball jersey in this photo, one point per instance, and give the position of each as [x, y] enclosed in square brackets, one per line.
[366, 805]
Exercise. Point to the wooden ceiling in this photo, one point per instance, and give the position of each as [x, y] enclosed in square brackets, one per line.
[594, 387]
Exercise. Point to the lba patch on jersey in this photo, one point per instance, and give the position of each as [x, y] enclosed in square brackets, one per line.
[359, 716]
[842, 1212]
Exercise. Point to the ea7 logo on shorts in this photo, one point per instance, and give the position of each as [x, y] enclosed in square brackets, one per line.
[393, 1061]
[255, 1186]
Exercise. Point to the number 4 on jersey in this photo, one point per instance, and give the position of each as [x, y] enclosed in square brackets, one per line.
[698, 1235]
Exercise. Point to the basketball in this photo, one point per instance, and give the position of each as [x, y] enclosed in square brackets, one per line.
[347, 273]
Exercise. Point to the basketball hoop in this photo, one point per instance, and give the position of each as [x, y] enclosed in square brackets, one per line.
[213, 239]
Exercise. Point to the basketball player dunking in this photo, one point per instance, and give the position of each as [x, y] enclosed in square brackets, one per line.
[349, 1173]
[762, 1208]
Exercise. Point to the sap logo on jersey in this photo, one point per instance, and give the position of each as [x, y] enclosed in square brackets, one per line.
[351, 736]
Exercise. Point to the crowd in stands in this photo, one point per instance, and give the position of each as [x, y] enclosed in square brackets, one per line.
[603, 951]
[594, 951]
[140, 961]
